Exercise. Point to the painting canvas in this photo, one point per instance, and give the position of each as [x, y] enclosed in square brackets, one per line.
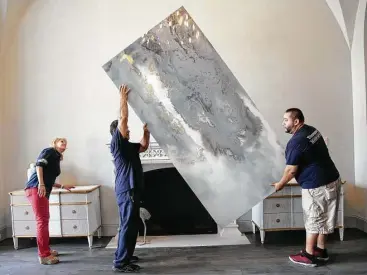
[200, 115]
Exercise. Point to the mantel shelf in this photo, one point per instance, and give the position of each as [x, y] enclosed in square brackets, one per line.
[153, 155]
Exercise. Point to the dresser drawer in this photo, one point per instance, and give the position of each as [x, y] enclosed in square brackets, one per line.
[73, 198]
[298, 221]
[296, 190]
[29, 228]
[297, 205]
[286, 191]
[25, 228]
[74, 227]
[274, 221]
[25, 213]
[277, 205]
[23, 200]
[16, 200]
[74, 212]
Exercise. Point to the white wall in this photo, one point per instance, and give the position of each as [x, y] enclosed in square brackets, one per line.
[10, 18]
[285, 53]
[358, 62]
[350, 15]
[2, 181]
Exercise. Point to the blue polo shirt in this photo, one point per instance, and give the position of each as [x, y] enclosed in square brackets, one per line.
[128, 168]
[49, 160]
[308, 150]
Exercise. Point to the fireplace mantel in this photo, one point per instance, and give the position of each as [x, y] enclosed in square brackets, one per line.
[154, 158]
[154, 154]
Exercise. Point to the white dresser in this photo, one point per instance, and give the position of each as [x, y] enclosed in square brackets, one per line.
[74, 213]
[282, 211]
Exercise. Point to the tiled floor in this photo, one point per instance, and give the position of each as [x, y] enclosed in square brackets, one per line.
[348, 257]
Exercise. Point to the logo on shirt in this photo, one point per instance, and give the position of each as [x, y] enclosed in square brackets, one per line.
[315, 136]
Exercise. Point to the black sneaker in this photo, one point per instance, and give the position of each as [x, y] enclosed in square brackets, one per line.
[321, 254]
[134, 259]
[126, 268]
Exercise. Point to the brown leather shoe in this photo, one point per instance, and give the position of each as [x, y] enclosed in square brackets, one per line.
[54, 253]
[48, 260]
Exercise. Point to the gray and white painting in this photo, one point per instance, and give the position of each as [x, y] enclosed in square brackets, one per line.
[200, 115]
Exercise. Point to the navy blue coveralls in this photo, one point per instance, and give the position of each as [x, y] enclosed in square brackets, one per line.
[128, 187]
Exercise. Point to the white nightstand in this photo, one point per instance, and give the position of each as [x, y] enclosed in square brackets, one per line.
[282, 211]
[74, 213]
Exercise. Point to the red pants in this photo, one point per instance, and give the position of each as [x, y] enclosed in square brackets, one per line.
[41, 209]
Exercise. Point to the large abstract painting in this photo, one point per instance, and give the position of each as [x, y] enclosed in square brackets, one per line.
[200, 115]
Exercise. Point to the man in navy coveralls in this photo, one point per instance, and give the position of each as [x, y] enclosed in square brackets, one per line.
[129, 184]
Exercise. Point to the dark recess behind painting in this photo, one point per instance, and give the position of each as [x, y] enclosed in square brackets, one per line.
[174, 208]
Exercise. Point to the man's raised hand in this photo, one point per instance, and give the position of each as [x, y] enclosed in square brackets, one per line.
[145, 128]
[124, 90]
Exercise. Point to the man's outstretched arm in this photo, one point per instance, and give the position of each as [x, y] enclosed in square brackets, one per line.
[288, 174]
[144, 143]
[123, 111]
[294, 155]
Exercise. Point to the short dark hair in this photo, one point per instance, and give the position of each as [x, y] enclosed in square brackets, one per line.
[296, 114]
[113, 126]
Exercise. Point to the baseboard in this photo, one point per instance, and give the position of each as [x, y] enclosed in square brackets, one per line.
[356, 222]
[109, 230]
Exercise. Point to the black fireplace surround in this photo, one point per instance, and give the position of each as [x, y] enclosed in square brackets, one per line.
[174, 208]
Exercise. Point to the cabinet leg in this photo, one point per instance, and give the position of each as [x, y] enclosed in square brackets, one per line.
[253, 228]
[15, 241]
[90, 241]
[341, 233]
[99, 232]
[262, 236]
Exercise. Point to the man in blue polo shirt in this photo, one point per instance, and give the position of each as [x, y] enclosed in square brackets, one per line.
[129, 184]
[309, 162]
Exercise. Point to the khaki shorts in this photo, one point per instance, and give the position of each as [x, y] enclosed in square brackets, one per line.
[320, 208]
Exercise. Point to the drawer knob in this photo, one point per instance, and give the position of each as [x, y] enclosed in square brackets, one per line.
[277, 220]
[27, 227]
[75, 227]
[74, 211]
[277, 205]
[26, 213]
